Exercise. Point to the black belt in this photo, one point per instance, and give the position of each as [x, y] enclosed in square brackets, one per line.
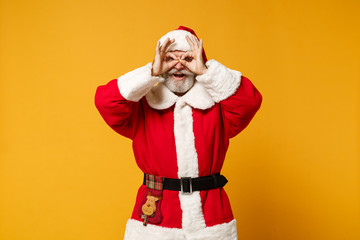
[187, 184]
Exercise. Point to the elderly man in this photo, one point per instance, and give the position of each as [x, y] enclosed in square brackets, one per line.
[180, 112]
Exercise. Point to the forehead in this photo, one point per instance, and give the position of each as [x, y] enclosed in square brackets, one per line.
[178, 53]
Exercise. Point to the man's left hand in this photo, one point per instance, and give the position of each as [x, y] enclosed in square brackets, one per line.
[193, 60]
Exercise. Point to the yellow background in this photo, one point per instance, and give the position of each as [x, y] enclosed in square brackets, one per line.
[293, 173]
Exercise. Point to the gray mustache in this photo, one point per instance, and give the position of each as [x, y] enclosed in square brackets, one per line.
[172, 71]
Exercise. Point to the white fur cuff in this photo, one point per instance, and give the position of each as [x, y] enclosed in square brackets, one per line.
[137, 83]
[220, 81]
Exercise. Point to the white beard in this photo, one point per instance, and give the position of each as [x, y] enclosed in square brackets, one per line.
[181, 86]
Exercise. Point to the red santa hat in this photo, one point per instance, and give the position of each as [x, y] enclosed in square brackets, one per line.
[180, 40]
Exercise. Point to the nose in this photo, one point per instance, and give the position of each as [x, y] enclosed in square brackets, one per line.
[179, 66]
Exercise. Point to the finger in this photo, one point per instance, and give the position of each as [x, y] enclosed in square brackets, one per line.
[168, 43]
[164, 44]
[196, 41]
[157, 50]
[171, 64]
[201, 47]
[170, 54]
[192, 46]
[185, 63]
[186, 54]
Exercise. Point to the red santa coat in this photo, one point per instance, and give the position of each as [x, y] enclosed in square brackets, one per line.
[177, 137]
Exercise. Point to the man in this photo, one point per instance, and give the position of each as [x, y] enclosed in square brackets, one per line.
[180, 112]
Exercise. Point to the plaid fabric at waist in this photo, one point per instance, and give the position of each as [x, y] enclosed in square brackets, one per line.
[154, 182]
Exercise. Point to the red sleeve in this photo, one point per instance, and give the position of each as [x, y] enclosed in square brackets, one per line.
[240, 108]
[119, 113]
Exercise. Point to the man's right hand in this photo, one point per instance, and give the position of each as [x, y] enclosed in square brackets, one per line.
[163, 60]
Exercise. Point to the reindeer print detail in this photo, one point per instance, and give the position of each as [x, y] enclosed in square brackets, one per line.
[149, 207]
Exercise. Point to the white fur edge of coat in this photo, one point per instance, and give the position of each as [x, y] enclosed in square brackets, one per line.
[137, 83]
[188, 166]
[135, 231]
[220, 81]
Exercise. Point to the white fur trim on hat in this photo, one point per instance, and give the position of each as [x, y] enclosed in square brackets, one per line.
[180, 40]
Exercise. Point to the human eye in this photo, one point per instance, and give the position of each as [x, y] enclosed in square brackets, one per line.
[169, 59]
[188, 59]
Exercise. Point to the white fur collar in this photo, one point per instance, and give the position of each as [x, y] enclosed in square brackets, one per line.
[160, 97]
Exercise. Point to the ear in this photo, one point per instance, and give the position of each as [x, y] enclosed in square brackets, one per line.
[149, 194]
[158, 198]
